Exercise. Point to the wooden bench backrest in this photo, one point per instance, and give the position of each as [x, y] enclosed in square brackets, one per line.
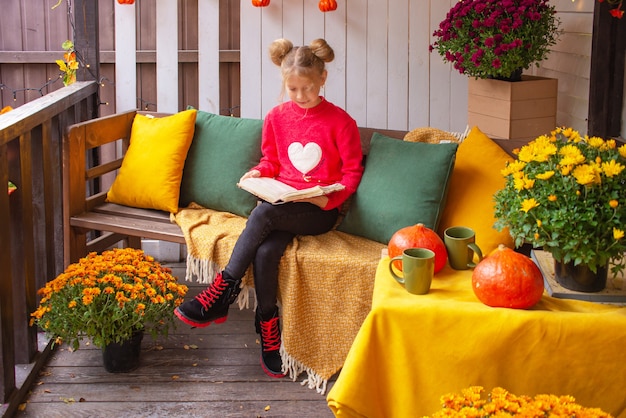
[81, 192]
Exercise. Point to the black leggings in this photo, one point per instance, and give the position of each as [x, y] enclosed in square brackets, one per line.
[269, 229]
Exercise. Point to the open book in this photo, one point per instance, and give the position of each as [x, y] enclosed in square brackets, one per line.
[275, 191]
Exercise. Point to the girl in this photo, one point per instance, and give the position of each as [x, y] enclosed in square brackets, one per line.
[305, 141]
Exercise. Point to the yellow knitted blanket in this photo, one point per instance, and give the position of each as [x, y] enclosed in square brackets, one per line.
[325, 287]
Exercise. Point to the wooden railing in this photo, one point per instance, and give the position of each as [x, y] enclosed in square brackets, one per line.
[31, 222]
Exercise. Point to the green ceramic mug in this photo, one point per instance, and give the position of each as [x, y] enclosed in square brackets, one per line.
[461, 246]
[418, 268]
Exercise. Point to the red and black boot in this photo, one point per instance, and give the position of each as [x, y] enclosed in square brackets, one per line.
[268, 327]
[212, 304]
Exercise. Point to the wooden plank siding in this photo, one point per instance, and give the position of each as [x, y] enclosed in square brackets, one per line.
[383, 73]
[27, 61]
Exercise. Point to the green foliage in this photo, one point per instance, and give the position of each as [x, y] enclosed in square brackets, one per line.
[567, 194]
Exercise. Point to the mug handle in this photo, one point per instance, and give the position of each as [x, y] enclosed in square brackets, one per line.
[393, 273]
[477, 251]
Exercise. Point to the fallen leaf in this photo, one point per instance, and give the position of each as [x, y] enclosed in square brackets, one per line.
[194, 364]
[193, 346]
[47, 391]
[175, 377]
[82, 400]
[22, 407]
[67, 400]
[267, 408]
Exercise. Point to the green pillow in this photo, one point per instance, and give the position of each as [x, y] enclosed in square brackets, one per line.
[404, 183]
[222, 150]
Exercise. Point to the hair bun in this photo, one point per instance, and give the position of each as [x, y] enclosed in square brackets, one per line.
[322, 50]
[279, 49]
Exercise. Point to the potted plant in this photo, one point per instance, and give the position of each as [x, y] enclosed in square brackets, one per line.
[109, 298]
[493, 41]
[470, 402]
[567, 194]
[496, 38]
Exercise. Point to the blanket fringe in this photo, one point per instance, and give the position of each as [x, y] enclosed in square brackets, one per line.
[294, 368]
[204, 270]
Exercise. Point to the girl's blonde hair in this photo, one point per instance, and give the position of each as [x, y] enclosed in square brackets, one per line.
[305, 61]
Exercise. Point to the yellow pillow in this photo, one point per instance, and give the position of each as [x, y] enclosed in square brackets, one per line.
[152, 168]
[475, 179]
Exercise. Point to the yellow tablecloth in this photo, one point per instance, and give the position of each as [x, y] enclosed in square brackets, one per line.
[412, 349]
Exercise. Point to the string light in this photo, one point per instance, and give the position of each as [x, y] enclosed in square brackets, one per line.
[79, 57]
[14, 91]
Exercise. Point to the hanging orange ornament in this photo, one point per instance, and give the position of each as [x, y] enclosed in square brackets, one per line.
[327, 5]
[260, 3]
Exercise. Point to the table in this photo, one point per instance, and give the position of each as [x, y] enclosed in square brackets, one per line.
[411, 349]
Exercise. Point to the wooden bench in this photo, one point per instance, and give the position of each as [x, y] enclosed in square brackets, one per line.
[90, 223]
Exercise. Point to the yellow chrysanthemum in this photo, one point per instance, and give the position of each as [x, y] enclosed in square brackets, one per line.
[552, 198]
[618, 234]
[613, 203]
[545, 175]
[612, 168]
[513, 167]
[585, 174]
[571, 155]
[596, 142]
[528, 204]
[538, 150]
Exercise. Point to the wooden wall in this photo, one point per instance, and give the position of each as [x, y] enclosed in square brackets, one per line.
[570, 62]
[31, 34]
[383, 74]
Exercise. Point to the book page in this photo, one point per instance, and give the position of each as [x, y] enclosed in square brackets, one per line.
[275, 191]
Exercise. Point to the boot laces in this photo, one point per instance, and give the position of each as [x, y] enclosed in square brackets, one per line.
[270, 335]
[209, 295]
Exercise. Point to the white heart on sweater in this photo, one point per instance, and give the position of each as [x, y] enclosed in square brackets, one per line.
[304, 158]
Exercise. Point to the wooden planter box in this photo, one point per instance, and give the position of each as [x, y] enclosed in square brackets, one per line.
[520, 110]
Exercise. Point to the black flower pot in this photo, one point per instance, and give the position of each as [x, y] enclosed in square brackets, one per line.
[123, 357]
[580, 278]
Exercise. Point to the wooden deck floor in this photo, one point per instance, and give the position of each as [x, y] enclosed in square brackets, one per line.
[208, 372]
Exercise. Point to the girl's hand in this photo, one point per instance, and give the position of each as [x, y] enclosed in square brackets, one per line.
[251, 173]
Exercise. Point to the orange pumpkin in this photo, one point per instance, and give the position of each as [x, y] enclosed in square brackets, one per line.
[260, 3]
[327, 5]
[507, 279]
[417, 236]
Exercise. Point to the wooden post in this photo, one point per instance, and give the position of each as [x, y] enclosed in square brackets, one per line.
[87, 44]
[606, 83]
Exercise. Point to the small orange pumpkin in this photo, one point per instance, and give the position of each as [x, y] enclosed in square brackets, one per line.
[327, 5]
[260, 3]
[417, 236]
[507, 279]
